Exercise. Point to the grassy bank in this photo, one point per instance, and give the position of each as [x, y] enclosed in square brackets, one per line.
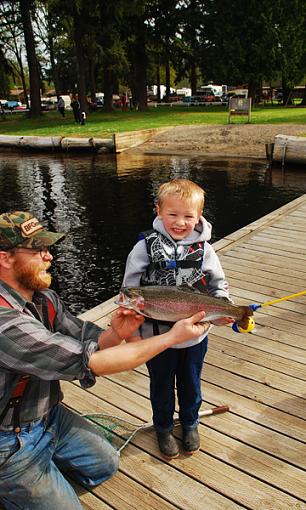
[102, 125]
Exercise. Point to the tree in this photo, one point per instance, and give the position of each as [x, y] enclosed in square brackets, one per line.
[191, 42]
[290, 23]
[241, 43]
[163, 21]
[113, 34]
[13, 41]
[5, 71]
[25, 13]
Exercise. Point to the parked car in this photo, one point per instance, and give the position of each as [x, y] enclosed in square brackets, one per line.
[11, 105]
[47, 105]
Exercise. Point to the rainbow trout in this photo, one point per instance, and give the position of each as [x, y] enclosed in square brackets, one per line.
[167, 303]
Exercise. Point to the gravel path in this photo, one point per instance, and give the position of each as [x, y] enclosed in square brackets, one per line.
[247, 140]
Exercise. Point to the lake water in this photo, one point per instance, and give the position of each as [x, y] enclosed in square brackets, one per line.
[103, 202]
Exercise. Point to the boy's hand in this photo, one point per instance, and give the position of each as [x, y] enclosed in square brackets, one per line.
[125, 322]
[222, 321]
[186, 329]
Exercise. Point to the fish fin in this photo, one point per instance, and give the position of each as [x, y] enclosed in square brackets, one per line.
[187, 287]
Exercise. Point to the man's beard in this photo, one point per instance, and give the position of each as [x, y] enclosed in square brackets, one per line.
[29, 275]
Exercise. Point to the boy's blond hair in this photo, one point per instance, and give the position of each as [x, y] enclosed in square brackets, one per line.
[184, 190]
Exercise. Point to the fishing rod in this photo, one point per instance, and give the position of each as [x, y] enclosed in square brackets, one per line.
[249, 324]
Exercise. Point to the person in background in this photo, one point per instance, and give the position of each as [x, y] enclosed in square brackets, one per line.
[42, 343]
[61, 106]
[177, 252]
[123, 102]
[76, 108]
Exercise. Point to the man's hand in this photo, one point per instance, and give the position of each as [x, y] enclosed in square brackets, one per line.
[186, 329]
[125, 322]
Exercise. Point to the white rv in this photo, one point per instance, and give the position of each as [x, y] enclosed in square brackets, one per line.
[216, 90]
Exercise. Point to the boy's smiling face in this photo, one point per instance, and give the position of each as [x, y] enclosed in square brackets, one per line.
[179, 216]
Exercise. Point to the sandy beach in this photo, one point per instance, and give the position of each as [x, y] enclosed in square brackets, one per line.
[244, 140]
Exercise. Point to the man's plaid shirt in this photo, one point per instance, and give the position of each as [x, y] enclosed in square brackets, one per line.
[28, 347]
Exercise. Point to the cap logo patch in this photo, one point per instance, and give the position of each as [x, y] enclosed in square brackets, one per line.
[29, 227]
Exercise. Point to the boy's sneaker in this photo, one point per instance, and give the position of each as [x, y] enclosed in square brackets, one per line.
[167, 445]
[191, 441]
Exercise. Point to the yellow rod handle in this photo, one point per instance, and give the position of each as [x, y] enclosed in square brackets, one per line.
[267, 303]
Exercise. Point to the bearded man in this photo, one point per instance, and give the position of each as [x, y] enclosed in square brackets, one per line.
[41, 342]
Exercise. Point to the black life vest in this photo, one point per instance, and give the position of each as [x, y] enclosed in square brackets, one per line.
[171, 264]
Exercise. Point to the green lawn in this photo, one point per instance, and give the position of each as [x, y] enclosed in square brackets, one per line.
[102, 125]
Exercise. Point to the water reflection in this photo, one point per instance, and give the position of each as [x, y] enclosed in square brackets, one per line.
[103, 202]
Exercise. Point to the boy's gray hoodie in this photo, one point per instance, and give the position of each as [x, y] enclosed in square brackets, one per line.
[138, 261]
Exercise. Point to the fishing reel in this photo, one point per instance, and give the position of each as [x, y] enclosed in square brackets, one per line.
[247, 326]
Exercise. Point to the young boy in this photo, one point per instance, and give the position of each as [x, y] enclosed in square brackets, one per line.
[176, 252]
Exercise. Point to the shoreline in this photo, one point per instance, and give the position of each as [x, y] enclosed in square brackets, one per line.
[215, 142]
[209, 156]
[220, 141]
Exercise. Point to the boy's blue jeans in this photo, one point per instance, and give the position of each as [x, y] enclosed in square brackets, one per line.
[184, 367]
[32, 462]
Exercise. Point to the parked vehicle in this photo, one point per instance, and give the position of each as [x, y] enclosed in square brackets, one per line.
[216, 90]
[47, 104]
[202, 98]
[11, 105]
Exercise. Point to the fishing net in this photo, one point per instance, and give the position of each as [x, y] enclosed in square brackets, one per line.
[119, 432]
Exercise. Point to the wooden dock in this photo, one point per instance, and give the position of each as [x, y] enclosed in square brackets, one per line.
[254, 456]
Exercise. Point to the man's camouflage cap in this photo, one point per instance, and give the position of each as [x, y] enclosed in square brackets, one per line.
[19, 228]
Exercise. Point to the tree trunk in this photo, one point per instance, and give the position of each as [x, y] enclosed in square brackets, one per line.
[23, 81]
[108, 90]
[158, 81]
[139, 65]
[303, 103]
[167, 66]
[193, 78]
[252, 90]
[54, 68]
[287, 92]
[77, 35]
[35, 108]
[92, 80]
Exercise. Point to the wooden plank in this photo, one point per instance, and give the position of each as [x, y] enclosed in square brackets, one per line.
[281, 262]
[256, 412]
[285, 283]
[214, 475]
[290, 149]
[99, 311]
[126, 493]
[151, 472]
[243, 263]
[138, 385]
[267, 340]
[291, 405]
[252, 353]
[261, 374]
[127, 140]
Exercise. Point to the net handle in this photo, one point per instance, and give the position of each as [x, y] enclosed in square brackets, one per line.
[204, 412]
[214, 410]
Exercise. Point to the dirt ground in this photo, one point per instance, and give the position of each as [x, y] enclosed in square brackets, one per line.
[244, 140]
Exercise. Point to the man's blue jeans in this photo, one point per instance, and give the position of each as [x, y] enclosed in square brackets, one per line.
[32, 462]
[183, 367]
